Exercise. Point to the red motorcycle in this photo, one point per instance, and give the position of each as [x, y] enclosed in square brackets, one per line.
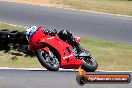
[53, 53]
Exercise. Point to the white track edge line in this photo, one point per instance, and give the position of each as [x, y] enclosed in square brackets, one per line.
[43, 69]
[59, 69]
[95, 12]
[69, 8]
[12, 24]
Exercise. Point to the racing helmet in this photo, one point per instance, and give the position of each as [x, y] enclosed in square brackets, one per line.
[30, 31]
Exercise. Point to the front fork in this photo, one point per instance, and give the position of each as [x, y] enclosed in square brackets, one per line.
[48, 50]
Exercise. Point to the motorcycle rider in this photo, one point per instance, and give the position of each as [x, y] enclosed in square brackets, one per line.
[64, 35]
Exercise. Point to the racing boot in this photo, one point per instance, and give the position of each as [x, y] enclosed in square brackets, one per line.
[80, 51]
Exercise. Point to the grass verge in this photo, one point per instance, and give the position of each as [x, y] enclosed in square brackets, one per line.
[110, 56]
[123, 7]
[18, 61]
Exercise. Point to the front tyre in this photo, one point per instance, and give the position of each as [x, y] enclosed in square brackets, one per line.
[48, 60]
[90, 65]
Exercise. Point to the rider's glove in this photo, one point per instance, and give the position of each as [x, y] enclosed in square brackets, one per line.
[53, 32]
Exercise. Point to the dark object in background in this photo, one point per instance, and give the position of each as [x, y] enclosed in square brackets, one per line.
[13, 39]
[21, 38]
[24, 50]
[4, 39]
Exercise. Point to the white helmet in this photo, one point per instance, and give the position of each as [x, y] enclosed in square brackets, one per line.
[31, 30]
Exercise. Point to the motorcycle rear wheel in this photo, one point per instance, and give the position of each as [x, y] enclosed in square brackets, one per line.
[51, 63]
[90, 65]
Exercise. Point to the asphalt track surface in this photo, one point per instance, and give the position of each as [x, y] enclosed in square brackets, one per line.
[108, 27]
[86, 24]
[10, 78]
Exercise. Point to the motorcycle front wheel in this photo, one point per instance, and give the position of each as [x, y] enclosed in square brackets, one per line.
[48, 60]
[90, 65]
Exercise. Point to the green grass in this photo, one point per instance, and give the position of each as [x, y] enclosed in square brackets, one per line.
[110, 56]
[19, 61]
[123, 7]
[5, 26]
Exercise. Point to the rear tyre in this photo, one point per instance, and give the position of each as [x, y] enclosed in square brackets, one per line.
[90, 65]
[48, 60]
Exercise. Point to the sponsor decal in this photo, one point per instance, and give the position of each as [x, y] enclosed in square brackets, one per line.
[68, 56]
[83, 78]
